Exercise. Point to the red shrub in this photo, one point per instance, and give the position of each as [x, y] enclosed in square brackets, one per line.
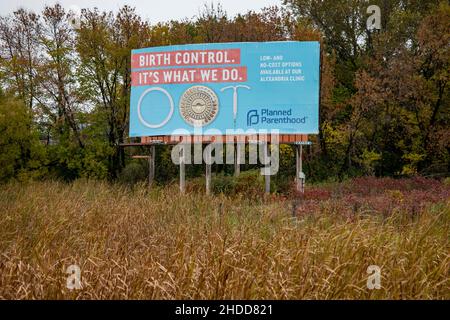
[374, 195]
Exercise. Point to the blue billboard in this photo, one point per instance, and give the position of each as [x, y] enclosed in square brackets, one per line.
[225, 86]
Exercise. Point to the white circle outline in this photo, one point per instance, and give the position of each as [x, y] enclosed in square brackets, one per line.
[169, 116]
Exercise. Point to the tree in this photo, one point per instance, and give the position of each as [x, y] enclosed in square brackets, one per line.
[104, 44]
[56, 75]
[19, 52]
[384, 98]
[21, 154]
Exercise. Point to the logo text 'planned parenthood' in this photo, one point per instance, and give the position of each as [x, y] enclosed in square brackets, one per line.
[267, 116]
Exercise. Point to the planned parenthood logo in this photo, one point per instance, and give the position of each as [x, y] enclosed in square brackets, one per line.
[273, 117]
[252, 117]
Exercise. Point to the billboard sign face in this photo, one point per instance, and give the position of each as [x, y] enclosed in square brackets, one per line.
[225, 86]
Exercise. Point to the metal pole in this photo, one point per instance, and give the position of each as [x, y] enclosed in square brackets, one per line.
[237, 158]
[267, 180]
[153, 161]
[301, 156]
[182, 171]
[208, 172]
[267, 176]
[151, 166]
[297, 168]
[299, 175]
[302, 176]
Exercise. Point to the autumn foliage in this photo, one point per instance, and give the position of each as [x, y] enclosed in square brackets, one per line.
[384, 105]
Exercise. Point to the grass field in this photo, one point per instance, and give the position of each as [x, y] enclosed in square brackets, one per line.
[130, 243]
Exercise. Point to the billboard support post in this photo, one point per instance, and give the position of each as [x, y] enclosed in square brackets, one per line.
[208, 156]
[208, 178]
[299, 175]
[151, 158]
[237, 157]
[267, 182]
[182, 171]
[151, 166]
[266, 176]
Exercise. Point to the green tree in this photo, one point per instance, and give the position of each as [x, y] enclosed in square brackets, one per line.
[22, 156]
[104, 44]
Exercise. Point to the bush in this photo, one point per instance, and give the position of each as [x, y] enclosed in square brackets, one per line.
[21, 153]
[133, 173]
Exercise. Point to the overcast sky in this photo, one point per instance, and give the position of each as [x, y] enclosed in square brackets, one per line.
[153, 10]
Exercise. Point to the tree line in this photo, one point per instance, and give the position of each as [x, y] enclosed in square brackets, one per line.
[385, 109]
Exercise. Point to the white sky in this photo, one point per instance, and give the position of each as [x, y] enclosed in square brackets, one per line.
[152, 10]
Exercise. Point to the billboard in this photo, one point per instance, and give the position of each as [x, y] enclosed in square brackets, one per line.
[225, 86]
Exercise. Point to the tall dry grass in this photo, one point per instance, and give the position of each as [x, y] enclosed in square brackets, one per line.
[160, 245]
